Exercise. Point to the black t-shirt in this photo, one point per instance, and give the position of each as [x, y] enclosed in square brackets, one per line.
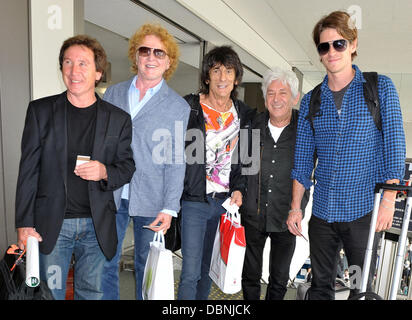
[81, 127]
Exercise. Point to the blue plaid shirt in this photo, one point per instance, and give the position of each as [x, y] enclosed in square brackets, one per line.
[353, 155]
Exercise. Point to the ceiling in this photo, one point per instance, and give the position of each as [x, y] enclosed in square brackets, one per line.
[266, 33]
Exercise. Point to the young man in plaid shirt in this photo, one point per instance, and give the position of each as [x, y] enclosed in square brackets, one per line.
[352, 153]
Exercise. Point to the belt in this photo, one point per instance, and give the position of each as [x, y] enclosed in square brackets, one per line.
[218, 195]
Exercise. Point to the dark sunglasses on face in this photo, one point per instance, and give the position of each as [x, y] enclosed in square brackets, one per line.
[339, 45]
[145, 52]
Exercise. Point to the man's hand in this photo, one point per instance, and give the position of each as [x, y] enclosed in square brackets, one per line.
[386, 211]
[165, 220]
[92, 170]
[23, 234]
[236, 198]
[385, 217]
[294, 222]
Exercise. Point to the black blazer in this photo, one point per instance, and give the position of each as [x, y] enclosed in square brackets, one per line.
[41, 184]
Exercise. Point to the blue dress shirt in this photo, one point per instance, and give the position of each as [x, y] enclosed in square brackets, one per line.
[353, 155]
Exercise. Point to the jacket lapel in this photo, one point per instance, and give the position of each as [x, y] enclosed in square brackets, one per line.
[102, 119]
[60, 132]
[123, 95]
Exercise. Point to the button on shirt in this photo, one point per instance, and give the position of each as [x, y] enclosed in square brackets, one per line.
[135, 105]
[275, 183]
[353, 155]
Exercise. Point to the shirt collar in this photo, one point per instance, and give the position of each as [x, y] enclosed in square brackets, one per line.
[151, 91]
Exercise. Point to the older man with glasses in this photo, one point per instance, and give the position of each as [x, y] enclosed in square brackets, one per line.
[159, 117]
[353, 154]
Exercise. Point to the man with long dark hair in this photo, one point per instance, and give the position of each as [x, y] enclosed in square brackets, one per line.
[217, 116]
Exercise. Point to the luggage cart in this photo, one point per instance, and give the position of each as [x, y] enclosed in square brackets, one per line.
[402, 238]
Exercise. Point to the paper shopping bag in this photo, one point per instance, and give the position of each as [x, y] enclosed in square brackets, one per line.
[228, 254]
[158, 280]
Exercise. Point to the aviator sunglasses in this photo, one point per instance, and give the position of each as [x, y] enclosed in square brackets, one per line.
[145, 52]
[339, 45]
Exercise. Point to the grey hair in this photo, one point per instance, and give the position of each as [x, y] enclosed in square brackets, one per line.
[285, 76]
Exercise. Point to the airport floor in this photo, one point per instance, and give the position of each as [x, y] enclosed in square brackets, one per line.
[127, 281]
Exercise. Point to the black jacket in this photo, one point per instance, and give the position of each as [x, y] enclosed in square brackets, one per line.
[41, 185]
[269, 193]
[195, 177]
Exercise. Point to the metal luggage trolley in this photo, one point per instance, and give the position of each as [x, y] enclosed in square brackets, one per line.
[402, 238]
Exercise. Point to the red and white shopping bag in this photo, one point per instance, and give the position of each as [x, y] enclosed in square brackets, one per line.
[228, 254]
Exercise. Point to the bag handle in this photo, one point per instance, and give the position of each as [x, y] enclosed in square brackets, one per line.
[159, 237]
[233, 217]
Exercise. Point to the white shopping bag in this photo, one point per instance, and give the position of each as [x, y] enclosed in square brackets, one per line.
[228, 254]
[158, 280]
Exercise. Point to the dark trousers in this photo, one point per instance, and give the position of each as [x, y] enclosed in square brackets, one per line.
[325, 243]
[282, 247]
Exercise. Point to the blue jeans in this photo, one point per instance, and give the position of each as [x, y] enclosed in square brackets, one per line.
[199, 224]
[78, 237]
[142, 239]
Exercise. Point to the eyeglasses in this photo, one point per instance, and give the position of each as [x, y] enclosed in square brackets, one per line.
[145, 52]
[339, 45]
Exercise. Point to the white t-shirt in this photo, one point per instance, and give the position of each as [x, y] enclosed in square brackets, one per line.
[275, 131]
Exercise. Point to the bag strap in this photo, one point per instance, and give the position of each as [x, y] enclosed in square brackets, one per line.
[159, 237]
[234, 218]
[314, 106]
[370, 93]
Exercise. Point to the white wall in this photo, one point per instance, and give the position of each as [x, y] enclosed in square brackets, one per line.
[14, 97]
[51, 22]
[116, 48]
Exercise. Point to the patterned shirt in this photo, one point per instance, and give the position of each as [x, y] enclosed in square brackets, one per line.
[353, 155]
[222, 129]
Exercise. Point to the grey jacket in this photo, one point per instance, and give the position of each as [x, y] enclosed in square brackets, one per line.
[158, 150]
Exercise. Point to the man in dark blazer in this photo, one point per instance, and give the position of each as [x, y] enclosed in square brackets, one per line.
[63, 198]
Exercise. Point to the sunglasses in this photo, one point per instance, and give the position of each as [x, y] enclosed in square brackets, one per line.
[339, 45]
[145, 52]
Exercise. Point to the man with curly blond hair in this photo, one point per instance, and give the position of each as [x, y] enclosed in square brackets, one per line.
[159, 117]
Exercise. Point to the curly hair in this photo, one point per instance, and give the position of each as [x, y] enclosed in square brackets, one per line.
[100, 58]
[167, 40]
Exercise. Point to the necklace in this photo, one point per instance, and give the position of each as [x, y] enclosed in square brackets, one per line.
[226, 107]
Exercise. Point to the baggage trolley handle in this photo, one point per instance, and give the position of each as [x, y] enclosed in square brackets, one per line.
[393, 187]
[380, 187]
